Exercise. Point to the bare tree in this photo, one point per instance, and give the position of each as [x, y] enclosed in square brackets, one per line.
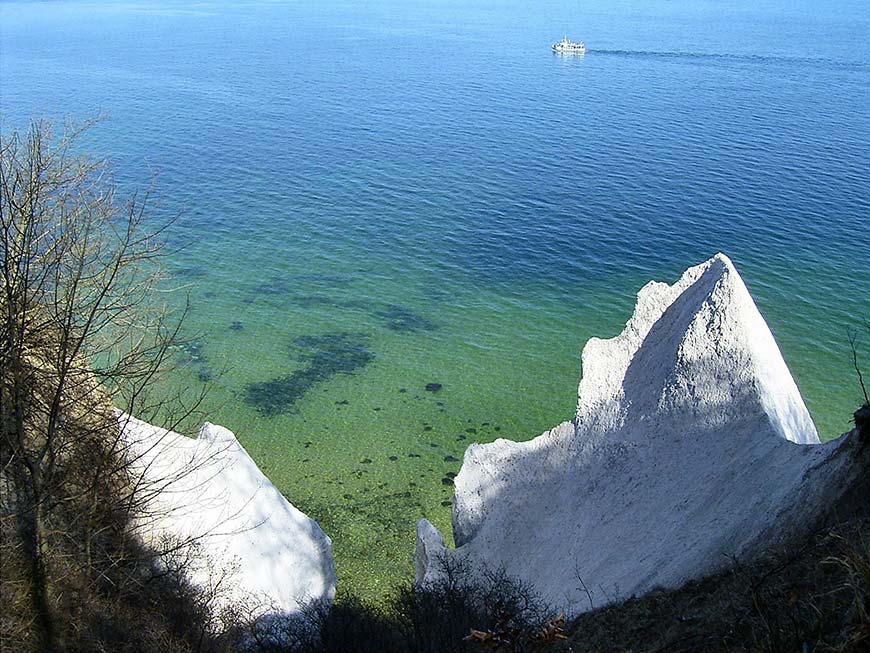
[81, 333]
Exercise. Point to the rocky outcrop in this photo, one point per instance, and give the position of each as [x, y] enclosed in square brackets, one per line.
[206, 498]
[691, 444]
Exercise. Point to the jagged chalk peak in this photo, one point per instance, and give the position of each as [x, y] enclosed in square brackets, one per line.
[698, 348]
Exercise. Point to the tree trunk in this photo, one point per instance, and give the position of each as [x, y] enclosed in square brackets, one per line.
[33, 535]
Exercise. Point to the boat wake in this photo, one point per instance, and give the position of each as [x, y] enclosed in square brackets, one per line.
[744, 58]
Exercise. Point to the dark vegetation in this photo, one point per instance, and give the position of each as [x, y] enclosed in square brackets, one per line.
[325, 356]
[452, 615]
[812, 597]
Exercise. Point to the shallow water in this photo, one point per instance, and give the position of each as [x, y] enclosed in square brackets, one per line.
[376, 198]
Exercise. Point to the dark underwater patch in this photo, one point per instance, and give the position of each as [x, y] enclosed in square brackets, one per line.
[326, 356]
[329, 280]
[289, 286]
[191, 272]
[435, 292]
[334, 353]
[404, 320]
[314, 301]
[274, 287]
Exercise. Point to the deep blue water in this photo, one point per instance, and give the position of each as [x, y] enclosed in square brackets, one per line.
[331, 161]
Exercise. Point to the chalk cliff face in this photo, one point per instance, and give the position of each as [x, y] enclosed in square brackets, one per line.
[208, 494]
[691, 443]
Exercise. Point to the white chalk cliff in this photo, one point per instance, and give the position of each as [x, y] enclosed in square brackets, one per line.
[208, 494]
[690, 444]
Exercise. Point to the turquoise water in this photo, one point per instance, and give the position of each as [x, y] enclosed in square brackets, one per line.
[377, 197]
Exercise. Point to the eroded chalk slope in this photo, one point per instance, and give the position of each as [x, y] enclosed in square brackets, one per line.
[690, 444]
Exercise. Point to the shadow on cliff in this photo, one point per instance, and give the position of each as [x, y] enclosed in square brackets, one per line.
[650, 374]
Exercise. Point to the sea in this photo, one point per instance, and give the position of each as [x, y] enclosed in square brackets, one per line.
[397, 222]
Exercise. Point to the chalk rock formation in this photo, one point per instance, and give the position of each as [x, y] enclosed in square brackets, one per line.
[691, 443]
[250, 542]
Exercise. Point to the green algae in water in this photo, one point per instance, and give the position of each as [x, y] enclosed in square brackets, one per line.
[327, 356]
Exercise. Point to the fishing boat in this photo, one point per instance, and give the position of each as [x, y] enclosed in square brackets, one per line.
[569, 47]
